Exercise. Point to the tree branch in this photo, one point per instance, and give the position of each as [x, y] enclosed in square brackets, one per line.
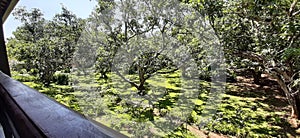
[292, 7]
[295, 13]
[127, 80]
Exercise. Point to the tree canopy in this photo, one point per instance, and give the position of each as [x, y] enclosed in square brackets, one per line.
[45, 46]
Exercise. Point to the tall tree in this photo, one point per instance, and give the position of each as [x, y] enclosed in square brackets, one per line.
[66, 29]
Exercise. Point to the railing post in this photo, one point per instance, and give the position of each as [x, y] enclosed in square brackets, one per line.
[4, 66]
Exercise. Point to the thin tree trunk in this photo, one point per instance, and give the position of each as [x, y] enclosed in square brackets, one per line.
[296, 112]
[142, 81]
[294, 100]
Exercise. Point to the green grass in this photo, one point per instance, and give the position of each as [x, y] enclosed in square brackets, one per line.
[108, 101]
[61, 93]
[245, 117]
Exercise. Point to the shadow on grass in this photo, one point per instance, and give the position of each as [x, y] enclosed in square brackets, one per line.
[266, 97]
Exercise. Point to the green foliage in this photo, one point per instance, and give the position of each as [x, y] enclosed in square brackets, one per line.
[263, 35]
[61, 79]
[44, 46]
[265, 32]
[291, 53]
[292, 56]
[145, 41]
[23, 77]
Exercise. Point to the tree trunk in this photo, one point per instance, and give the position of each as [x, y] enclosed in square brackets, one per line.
[256, 76]
[293, 99]
[142, 79]
[142, 90]
[296, 111]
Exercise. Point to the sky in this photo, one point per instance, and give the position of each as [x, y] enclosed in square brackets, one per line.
[82, 9]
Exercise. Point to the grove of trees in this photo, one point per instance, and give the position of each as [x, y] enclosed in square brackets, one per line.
[266, 34]
[144, 37]
[159, 51]
[45, 47]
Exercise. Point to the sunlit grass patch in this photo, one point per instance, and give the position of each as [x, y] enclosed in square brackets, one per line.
[245, 117]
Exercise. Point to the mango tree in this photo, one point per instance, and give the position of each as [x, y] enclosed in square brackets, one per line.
[264, 32]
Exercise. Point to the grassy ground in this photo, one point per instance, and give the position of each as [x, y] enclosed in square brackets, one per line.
[61, 93]
[245, 109]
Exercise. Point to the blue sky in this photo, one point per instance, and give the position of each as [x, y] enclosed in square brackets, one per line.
[82, 8]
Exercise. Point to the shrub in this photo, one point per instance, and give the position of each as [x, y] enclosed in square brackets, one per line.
[61, 79]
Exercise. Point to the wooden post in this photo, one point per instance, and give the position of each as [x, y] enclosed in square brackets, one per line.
[4, 66]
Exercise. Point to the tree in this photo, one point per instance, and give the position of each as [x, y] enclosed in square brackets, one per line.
[142, 38]
[264, 32]
[45, 46]
[21, 46]
[66, 30]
